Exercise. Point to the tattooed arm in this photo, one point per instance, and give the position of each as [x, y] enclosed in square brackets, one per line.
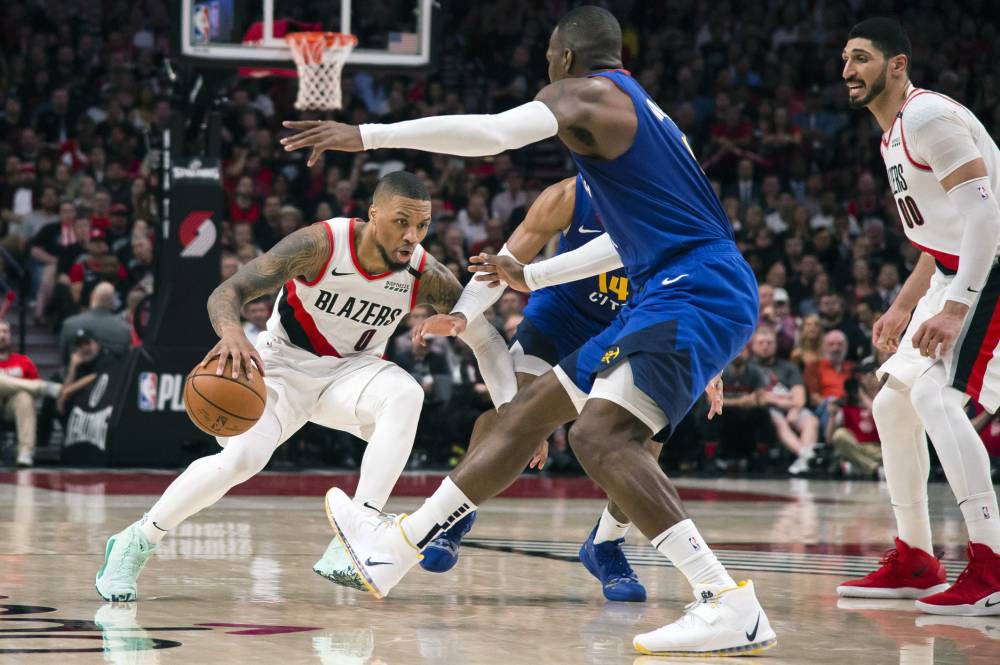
[440, 289]
[301, 254]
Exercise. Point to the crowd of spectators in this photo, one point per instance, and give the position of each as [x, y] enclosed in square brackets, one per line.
[754, 85]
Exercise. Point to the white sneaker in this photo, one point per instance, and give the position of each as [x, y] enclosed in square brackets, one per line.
[801, 463]
[51, 389]
[25, 460]
[723, 621]
[379, 553]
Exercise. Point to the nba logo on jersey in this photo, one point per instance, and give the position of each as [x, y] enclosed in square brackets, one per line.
[694, 543]
[147, 391]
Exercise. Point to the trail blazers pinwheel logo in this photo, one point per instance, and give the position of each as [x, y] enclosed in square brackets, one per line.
[197, 234]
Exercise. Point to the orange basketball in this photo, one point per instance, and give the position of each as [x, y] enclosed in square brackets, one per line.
[222, 405]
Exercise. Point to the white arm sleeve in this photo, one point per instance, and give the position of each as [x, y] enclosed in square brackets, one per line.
[939, 136]
[478, 296]
[977, 205]
[495, 361]
[466, 135]
[597, 256]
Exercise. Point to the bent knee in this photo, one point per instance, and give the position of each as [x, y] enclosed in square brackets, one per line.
[889, 405]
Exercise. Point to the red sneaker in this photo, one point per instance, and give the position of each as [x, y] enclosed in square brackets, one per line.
[976, 592]
[905, 572]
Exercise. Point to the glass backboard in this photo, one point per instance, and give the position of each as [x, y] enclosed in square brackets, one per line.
[390, 32]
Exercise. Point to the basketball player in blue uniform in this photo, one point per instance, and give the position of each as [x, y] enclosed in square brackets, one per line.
[694, 308]
[557, 321]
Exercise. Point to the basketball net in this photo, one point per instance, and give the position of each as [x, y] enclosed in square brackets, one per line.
[319, 58]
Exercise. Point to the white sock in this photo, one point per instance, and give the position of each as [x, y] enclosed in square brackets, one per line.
[689, 553]
[154, 534]
[913, 524]
[609, 528]
[982, 519]
[446, 506]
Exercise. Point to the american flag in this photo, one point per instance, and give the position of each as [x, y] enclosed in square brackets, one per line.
[403, 42]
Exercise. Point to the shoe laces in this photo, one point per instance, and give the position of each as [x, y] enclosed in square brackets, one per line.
[616, 566]
[890, 558]
[708, 601]
[132, 560]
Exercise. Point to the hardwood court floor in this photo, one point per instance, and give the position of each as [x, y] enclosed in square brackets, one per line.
[234, 584]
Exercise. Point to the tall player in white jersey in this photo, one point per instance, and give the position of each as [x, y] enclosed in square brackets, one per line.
[944, 170]
[345, 285]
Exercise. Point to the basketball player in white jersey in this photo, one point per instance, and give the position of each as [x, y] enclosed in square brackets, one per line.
[944, 170]
[345, 285]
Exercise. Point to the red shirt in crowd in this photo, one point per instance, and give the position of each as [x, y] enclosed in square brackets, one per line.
[238, 214]
[859, 422]
[18, 366]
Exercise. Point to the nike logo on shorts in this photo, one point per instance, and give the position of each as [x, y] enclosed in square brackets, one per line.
[670, 280]
[583, 230]
[369, 562]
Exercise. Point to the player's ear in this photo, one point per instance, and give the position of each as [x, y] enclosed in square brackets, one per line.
[372, 212]
[569, 58]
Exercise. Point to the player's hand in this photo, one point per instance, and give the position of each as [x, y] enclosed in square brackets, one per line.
[322, 135]
[714, 394]
[889, 328]
[495, 269]
[541, 456]
[450, 325]
[234, 344]
[940, 330]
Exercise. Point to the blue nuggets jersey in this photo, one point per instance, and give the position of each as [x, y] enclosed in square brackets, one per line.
[654, 199]
[571, 313]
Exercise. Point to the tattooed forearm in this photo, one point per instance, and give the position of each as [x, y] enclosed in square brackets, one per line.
[302, 254]
[438, 287]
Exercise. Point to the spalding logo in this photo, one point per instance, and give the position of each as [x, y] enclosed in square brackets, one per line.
[197, 234]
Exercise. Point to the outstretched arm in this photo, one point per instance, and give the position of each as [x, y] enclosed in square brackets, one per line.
[597, 256]
[301, 254]
[440, 289]
[566, 106]
[551, 213]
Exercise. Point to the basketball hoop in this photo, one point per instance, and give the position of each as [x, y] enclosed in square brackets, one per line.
[319, 58]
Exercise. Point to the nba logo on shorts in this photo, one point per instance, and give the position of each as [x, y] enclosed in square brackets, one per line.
[986, 512]
[694, 543]
[147, 391]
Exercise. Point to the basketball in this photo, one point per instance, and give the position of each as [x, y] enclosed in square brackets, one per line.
[222, 405]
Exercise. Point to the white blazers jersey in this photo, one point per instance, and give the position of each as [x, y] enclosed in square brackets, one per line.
[931, 137]
[918, 154]
[345, 311]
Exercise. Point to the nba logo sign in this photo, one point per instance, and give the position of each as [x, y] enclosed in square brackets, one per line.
[147, 391]
[694, 543]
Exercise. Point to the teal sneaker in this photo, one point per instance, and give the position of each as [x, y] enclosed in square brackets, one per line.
[336, 566]
[124, 556]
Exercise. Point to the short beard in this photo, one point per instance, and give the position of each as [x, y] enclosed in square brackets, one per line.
[394, 266]
[878, 85]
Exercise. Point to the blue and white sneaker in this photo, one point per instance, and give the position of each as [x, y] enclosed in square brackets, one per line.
[606, 561]
[442, 553]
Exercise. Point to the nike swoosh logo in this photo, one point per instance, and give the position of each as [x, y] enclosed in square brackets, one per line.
[989, 604]
[334, 273]
[583, 230]
[923, 570]
[752, 635]
[371, 507]
[971, 290]
[670, 280]
[369, 562]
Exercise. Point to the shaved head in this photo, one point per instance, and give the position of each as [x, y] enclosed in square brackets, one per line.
[401, 183]
[593, 35]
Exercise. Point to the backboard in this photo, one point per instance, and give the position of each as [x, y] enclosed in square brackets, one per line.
[394, 33]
